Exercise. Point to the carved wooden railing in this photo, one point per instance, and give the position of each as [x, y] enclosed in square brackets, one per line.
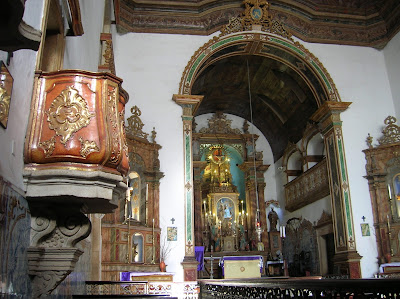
[116, 287]
[308, 187]
[300, 288]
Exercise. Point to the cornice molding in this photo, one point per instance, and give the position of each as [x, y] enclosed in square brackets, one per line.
[370, 25]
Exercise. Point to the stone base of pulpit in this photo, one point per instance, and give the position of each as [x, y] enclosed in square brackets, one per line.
[229, 243]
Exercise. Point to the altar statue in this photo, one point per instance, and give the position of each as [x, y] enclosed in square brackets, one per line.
[216, 236]
[227, 212]
[273, 220]
[242, 242]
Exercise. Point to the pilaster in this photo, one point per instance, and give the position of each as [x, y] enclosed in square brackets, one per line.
[347, 259]
[189, 104]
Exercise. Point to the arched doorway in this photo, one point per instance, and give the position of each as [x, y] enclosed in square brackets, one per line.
[255, 59]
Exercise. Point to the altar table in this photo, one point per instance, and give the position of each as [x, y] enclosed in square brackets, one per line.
[389, 268]
[242, 266]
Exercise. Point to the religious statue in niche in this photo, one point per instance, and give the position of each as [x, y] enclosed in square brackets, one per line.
[273, 220]
[226, 216]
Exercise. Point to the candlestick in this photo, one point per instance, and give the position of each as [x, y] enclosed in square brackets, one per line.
[388, 222]
[389, 192]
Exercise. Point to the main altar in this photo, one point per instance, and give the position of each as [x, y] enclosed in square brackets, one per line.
[230, 210]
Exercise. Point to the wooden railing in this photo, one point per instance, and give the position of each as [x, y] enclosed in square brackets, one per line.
[276, 288]
[308, 187]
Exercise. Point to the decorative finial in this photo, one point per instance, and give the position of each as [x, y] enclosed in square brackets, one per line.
[135, 124]
[246, 127]
[391, 134]
[153, 135]
[369, 141]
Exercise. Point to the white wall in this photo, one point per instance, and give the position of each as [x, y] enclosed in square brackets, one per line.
[22, 66]
[392, 59]
[151, 66]
[83, 52]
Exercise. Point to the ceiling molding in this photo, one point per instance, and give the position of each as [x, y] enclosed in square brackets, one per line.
[369, 23]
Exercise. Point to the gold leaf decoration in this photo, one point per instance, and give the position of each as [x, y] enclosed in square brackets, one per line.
[391, 134]
[68, 113]
[135, 124]
[88, 147]
[48, 146]
[4, 106]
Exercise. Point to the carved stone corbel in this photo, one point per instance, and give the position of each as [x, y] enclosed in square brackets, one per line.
[55, 230]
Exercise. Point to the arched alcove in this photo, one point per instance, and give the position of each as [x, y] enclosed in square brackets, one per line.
[256, 71]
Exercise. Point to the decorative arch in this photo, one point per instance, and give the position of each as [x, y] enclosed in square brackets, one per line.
[274, 43]
[259, 35]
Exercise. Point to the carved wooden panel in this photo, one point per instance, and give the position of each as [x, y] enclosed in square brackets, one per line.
[77, 118]
[308, 187]
[383, 166]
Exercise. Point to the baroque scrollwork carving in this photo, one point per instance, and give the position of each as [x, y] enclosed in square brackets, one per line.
[58, 227]
[112, 116]
[391, 133]
[88, 147]
[109, 56]
[52, 255]
[135, 124]
[257, 12]
[219, 124]
[6, 83]
[48, 146]
[68, 113]
[4, 106]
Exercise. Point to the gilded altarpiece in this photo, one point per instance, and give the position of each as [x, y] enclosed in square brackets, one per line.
[227, 170]
[131, 235]
[383, 175]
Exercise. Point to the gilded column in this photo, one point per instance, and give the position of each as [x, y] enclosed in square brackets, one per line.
[189, 104]
[347, 259]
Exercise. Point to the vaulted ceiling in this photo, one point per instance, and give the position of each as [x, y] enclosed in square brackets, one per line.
[353, 22]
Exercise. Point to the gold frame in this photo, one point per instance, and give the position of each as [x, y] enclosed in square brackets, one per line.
[6, 84]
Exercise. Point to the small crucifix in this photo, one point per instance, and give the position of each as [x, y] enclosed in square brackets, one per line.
[172, 220]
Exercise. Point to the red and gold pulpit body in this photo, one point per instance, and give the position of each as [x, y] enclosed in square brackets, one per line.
[76, 158]
[75, 143]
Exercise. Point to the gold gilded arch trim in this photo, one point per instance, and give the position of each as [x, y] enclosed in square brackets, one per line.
[260, 43]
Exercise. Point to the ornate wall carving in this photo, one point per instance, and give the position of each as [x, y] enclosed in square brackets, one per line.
[382, 168]
[365, 23]
[119, 227]
[310, 186]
